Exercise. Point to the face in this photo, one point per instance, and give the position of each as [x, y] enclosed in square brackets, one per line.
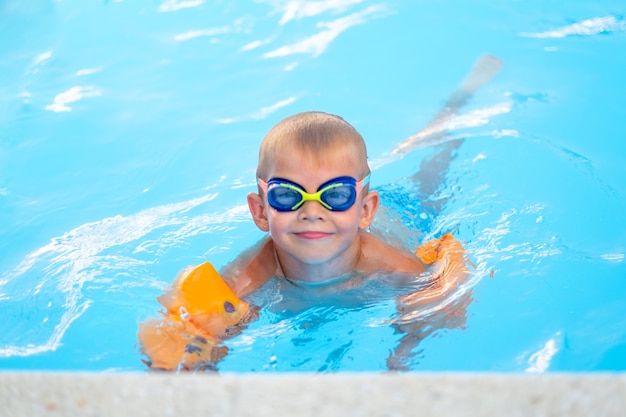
[312, 235]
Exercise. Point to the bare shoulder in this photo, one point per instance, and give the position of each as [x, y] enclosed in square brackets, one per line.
[252, 268]
[376, 255]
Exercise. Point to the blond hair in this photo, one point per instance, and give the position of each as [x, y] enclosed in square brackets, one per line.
[314, 133]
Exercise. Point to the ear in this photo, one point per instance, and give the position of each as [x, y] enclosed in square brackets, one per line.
[257, 209]
[368, 209]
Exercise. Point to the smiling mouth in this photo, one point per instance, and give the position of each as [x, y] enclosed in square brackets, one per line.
[313, 235]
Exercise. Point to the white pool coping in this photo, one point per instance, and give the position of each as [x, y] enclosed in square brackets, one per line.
[319, 395]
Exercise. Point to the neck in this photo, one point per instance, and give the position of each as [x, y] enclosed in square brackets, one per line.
[318, 273]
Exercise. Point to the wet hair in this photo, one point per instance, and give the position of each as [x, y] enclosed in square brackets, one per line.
[314, 133]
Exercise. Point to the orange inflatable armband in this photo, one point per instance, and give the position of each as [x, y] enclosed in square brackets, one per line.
[436, 249]
[200, 309]
[450, 254]
[451, 271]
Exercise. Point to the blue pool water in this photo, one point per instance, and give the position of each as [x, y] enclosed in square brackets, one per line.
[128, 141]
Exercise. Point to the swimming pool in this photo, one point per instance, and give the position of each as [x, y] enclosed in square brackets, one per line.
[129, 140]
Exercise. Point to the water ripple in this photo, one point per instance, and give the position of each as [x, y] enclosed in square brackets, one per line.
[46, 292]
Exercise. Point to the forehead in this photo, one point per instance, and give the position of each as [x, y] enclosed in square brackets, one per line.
[300, 165]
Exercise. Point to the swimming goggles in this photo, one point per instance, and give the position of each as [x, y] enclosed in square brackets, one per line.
[338, 194]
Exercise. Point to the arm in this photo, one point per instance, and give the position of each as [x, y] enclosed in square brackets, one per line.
[435, 306]
[448, 255]
[202, 309]
[251, 269]
[200, 312]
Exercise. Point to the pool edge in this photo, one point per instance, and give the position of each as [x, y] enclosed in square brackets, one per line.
[345, 394]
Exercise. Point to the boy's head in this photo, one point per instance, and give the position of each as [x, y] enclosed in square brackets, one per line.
[314, 134]
[313, 194]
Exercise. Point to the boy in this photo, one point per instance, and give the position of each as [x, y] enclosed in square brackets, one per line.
[314, 200]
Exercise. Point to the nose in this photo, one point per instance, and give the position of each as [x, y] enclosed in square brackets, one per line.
[312, 211]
